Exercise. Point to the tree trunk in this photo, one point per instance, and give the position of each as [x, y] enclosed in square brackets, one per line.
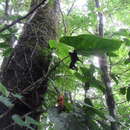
[29, 63]
[106, 76]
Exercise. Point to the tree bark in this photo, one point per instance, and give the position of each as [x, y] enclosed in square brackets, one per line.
[28, 63]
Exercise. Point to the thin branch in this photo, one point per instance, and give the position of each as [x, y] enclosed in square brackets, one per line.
[63, 21]
[53, 85]
[22, 18]
[73, 30]
[121, 102]
[69, 11]
[118, 62]
[6, 7]
[39, 81]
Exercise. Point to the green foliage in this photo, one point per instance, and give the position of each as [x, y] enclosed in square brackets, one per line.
[91, 43]
[5, 41]
[83, 88]
[115, 78]
[3, 45]
[14, 17]
[123, 90]
[76, 119]
[7, 52]
[30, 121]
[128, 94]
[90, 110]
[3, 90]
[19, 96]
[18, 120]
[27, 123]
[97, 84]
[6, 101]
[62, 50]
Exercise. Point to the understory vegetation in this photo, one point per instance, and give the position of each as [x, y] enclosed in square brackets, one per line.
[84, 69]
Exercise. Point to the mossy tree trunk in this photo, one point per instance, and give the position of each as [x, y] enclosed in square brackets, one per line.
[28, 63]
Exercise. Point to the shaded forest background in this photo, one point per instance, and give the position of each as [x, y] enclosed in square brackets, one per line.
[64, 65]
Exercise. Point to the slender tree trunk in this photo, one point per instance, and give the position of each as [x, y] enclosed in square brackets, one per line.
[105, 75]
[29, 63]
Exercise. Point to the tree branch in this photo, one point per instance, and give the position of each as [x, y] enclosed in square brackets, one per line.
[22, 18]
[69, 11]
[63, 21]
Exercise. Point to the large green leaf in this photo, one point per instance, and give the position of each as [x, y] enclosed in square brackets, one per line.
[53, 44]
[91, 43]
[62, 50]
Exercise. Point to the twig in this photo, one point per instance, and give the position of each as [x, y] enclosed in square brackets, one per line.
[121, 102]
[69, 11]
[63, 21]
[74, 30]
[56, 89]
[22, 18]
[6, 7]
[49, 72]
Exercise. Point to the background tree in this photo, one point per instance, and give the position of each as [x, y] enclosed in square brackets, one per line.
[75, 98]
[25, 71]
